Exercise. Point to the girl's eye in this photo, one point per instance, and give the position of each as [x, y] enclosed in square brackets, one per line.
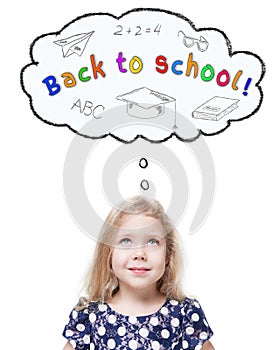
[153, 241]
[125, 241]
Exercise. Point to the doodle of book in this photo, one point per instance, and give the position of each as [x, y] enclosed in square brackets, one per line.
[216, 108]
[145, 103]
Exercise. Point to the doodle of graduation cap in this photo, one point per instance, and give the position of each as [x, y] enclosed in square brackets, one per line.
[145, 103]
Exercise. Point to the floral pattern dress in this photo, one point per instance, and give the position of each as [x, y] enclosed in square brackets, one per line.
[176, 325]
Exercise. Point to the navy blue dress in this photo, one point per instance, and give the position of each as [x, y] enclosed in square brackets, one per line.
[176, 325]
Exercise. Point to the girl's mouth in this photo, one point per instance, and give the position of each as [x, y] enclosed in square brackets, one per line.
[139, 270]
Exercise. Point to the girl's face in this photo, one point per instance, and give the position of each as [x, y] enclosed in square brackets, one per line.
[139, 253]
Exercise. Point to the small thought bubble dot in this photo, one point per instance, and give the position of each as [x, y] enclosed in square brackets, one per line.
[144, 185]
[143, 163]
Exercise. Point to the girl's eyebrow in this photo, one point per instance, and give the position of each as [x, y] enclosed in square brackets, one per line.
[136, 235]
[122, 235]
[155, 235]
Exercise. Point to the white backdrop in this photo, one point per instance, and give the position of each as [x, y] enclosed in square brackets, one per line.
[232, 261]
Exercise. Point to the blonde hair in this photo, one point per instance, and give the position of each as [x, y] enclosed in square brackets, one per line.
[101, 283]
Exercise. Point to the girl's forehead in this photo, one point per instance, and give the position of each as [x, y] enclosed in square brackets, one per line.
[140, 223]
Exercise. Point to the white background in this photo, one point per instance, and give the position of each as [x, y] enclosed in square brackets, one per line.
[232, 261]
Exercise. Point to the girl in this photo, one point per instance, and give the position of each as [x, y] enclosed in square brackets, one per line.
[134, 299]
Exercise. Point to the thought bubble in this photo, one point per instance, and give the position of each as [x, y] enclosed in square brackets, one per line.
[153, 66]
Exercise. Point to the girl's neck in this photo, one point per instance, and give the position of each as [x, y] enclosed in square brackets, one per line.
[138, 295]
[137, 302]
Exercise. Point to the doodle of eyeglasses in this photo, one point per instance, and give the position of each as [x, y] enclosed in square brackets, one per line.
[189, 42]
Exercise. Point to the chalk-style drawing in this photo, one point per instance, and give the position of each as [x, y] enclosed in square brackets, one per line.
[145, 103]
[215, 108]
[74, 44]
[202, 43]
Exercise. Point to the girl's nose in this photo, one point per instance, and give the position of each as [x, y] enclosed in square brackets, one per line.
[140, 255]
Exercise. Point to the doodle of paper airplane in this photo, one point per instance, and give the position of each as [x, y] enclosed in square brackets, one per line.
[74, 44]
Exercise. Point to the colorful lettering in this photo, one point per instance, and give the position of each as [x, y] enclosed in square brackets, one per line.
[237, 76]
[80, 74]
[220, 75]
[206, 68]
[70, 80]
[162, 61]
[51, 84]
[206, 73]
[192, 64]
[97, 68]
[140, 65]
[120, 59]
[173, 67]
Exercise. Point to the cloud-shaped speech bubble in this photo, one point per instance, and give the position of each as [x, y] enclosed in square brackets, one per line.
[146, 70]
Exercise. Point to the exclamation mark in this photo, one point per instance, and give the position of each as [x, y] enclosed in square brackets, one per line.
[248, 82]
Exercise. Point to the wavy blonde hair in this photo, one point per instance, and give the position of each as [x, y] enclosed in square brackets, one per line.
[101, 283]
